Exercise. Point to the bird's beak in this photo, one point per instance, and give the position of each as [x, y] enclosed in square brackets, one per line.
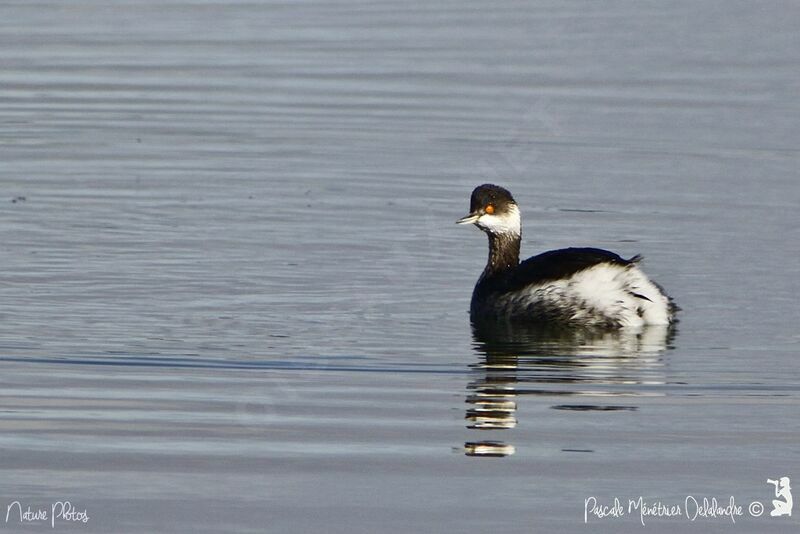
[469, 219]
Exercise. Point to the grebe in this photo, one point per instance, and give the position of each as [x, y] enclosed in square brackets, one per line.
[583, 287]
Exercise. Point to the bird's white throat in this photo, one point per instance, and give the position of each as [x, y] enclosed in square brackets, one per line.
[506, 223]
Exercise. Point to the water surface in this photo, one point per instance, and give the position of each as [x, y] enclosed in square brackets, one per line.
[234, 298]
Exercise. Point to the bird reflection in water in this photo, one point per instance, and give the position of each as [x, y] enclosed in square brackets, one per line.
[519, 360]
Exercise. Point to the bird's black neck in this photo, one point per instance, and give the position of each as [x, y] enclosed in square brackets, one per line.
[503, 253]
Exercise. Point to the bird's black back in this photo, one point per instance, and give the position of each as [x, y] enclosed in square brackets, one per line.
[559, 264]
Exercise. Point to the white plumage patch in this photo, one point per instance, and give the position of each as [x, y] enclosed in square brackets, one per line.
[604, 293]
[505, 223]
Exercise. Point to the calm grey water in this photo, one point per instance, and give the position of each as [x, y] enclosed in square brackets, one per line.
[234, 299]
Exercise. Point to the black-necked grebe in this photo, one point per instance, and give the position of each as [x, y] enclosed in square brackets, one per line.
[585, 287]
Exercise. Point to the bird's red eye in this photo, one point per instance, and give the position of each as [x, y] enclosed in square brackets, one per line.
[489, 209]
